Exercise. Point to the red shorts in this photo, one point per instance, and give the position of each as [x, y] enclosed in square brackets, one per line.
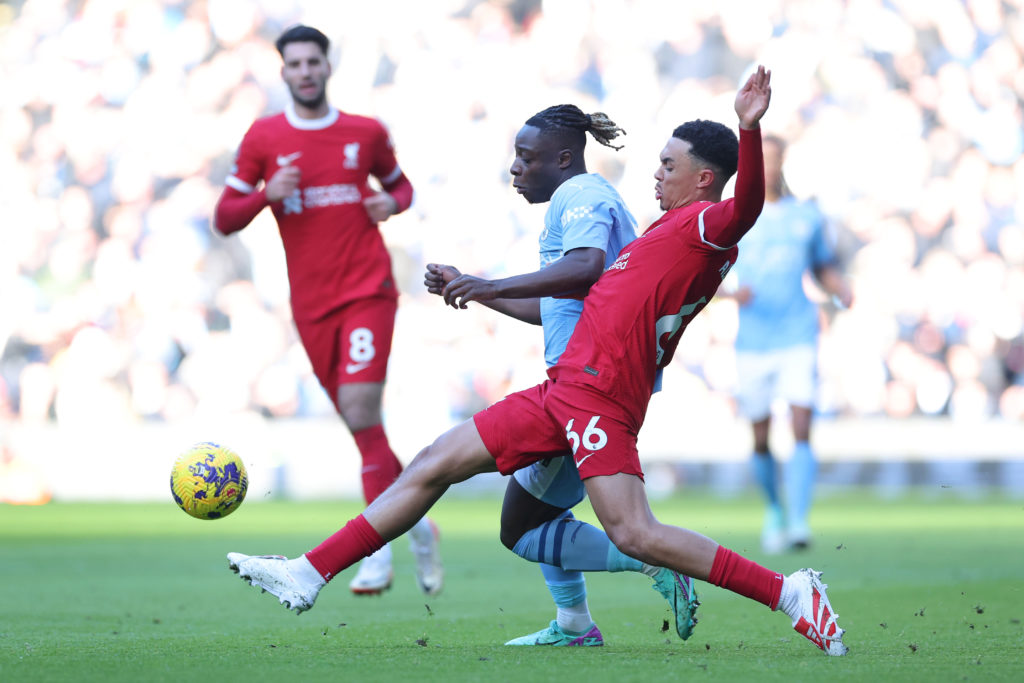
[558, 419]
[352, 344]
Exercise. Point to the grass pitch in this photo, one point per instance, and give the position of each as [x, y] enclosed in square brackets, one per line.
[929, 589]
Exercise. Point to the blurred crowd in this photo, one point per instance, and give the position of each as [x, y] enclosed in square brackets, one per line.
[120, 119]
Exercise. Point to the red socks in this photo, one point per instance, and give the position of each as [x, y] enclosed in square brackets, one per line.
[740, 575]
[358, 539]
[380, 466]
[345, 547]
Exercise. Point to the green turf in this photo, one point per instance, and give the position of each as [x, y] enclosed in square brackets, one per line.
[929, 589]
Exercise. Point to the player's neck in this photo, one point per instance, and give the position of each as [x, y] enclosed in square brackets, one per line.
[571, 173]
[318, 112]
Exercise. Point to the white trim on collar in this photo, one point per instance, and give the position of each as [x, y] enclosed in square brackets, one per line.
[309, 124]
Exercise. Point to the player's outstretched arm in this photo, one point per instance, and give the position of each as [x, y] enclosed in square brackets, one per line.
[753, 98]
[437, 277]
[572, 274]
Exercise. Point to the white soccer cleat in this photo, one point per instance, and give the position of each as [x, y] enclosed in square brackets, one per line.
[429, 570]
[375, 573]
[270, 573]
[815, 619]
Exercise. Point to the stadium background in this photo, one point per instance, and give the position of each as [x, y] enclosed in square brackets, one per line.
[128, 330]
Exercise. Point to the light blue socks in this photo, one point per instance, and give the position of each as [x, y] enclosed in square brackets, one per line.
[801, 471]
[573, 545]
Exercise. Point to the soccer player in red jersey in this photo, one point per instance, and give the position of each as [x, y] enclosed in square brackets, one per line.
[597, 394]
[586, 225]
[311, 165]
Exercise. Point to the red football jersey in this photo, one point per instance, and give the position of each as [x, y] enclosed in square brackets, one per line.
[335, 253]
[636, 312]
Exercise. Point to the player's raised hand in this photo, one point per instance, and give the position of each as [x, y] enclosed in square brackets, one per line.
[753, 98]
[283, 183]
[438, 275]
[380, 207]
[466, 288]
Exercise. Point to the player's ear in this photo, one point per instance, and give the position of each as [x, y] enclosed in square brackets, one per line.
[706, 178]
[564, 158]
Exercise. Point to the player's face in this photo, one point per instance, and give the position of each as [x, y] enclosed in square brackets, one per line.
[677, 175]
[536, 171]
[305, 72]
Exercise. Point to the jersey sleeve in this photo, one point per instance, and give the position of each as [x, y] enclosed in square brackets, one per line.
[724, 223]
[386, 169]
[587, 221]
[384, 165]
[248, 167]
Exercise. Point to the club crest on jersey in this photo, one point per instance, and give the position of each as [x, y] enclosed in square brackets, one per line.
[351, 152]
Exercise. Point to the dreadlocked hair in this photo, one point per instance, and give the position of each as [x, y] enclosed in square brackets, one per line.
[570, 119]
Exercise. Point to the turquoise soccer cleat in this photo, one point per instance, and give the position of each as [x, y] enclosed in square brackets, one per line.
[682, 598]
[553, 635]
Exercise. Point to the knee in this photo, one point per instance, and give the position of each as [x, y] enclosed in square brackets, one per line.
[509, 537]
[631, 538]
[428, 466]
[359, 406]
[357, 417]
[514, 523]
[451, 458]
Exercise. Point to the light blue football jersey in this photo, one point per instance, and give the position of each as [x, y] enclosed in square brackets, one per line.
[788, 239]
[585, 211]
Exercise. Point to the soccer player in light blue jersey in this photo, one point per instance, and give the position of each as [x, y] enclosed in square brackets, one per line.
[776, 345]
[585, 226]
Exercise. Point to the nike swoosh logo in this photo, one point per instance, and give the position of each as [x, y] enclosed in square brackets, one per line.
[285, 160]
[583, 459]
[353, 368]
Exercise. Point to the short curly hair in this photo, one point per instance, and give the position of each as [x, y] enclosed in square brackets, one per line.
[713, 143]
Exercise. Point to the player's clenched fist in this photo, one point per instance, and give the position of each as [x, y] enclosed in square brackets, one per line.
[438, 275]
[283, 183]
[380, 207]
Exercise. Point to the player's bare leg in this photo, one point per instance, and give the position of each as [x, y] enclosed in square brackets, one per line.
[538, 531]
[455, 456]
[359, 404]
[620, 503]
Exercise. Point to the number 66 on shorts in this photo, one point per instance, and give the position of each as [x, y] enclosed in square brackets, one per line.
[593, 439]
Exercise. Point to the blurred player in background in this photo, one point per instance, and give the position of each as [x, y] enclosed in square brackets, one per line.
[776, 345]
[586, 225]
[311, 166]
[596, 397]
